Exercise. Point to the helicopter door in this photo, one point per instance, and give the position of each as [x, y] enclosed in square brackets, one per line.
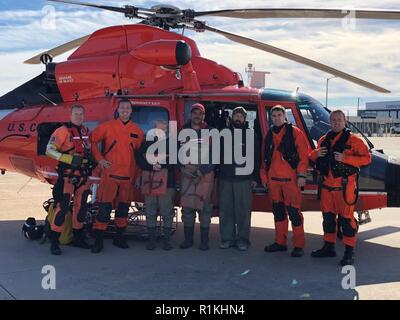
[291, 114]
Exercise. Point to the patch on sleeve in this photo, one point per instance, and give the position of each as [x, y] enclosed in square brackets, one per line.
[53, 139]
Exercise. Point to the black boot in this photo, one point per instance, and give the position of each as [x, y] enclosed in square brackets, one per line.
[348, 258]
[151, 245]
[189, 233]
[79, 239]
[119, 239]
[55, 243]
[275, 247]
[167, 239]
[98, 243]
[297, 252]
[327, 251]
[204, 239]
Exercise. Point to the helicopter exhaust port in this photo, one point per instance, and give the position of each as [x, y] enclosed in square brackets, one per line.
[164, 53]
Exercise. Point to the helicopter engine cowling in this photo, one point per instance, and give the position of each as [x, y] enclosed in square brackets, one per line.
[164, 53]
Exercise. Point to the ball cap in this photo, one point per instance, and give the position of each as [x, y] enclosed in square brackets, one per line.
[240, 110]
[198, 106]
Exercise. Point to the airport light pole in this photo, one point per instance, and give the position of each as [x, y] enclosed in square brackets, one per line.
[327, 89]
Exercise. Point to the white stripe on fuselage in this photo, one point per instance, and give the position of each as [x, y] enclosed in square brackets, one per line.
[49, 174]
[362, 193]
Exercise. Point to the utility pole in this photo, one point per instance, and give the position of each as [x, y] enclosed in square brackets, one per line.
[327, 90]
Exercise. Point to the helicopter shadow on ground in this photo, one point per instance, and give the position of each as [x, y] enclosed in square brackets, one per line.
[189, 274]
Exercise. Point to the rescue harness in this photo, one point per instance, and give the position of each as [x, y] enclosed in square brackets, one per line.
[77, 175]
[287, 147]
[339, 169]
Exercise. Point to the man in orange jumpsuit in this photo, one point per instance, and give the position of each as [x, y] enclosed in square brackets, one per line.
[286, 162]
[69, 145]
[121, 138]
[338, 157]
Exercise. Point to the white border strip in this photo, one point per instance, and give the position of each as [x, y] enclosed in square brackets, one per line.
[363, 193]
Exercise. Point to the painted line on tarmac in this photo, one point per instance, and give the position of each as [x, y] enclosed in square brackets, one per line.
[8, 292]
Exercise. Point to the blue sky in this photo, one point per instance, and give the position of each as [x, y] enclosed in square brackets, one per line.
[369, 50]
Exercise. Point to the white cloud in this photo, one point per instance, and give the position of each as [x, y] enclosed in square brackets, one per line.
[370, 51]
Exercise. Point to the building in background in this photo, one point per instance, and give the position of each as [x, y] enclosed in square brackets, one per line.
[379, 118]
[255, 79]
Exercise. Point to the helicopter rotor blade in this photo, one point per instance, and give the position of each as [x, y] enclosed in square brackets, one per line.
[303, 13]
[58, 50]
[294, 57]
[129, 11]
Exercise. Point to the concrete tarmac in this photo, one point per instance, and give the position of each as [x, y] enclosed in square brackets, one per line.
[192, 274]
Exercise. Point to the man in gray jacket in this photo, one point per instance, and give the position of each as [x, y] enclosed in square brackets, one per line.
[235, 190]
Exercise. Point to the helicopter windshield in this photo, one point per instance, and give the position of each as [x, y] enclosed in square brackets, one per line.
[316, 119]
[315, 116]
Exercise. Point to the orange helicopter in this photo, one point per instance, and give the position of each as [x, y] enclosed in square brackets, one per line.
[163, 73]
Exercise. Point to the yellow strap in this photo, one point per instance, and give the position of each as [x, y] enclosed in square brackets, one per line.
[66, 158]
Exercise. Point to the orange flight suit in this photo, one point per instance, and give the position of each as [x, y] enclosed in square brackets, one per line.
[283, 190]
[120, 142]
[333, 204]
[65, 143]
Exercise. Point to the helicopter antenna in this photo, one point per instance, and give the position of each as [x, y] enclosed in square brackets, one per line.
[47, 99]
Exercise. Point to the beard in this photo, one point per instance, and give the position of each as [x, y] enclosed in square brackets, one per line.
[238, 124]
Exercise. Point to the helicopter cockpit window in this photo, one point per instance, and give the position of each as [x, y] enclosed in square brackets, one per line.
[145, 117]
[316, 118]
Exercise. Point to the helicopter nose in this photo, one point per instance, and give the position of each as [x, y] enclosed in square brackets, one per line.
[392, 182]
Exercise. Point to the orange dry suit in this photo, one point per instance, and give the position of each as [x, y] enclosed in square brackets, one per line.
[339, 191]
[69, 145]
[286, 159]
[119, 141]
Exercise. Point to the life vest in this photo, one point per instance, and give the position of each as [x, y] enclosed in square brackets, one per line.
[339, 169]
[287, 147]
[154, 183]
[195, 190]
[79, 138]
